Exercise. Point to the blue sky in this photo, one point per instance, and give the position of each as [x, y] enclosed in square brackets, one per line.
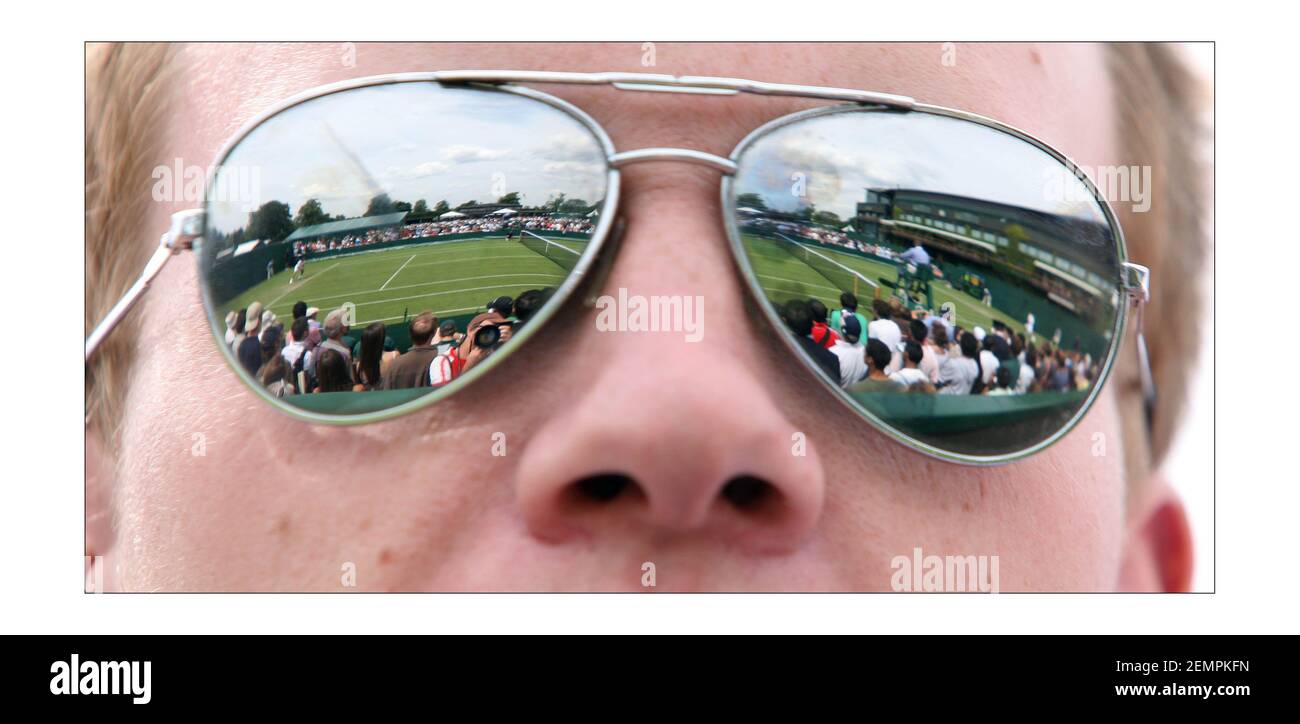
[842, 154]
[414, 141]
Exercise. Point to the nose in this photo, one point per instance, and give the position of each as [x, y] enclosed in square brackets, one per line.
[669, 457]
[674, 440]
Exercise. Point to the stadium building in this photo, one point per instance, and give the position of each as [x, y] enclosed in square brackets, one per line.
[1066, 258]
[361, 225]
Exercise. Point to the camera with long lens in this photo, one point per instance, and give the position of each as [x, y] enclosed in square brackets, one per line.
[487, 337]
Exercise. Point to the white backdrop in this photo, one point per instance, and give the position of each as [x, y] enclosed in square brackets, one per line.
[41, 516]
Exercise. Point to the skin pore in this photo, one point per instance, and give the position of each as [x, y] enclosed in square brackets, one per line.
[421, 503]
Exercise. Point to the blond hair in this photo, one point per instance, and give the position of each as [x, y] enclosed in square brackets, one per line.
[1159, 122]
[127, 97]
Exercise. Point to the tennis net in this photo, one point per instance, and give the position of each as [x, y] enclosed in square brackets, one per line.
[562, 255]
[844, 278]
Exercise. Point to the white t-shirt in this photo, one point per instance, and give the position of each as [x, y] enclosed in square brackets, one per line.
[293, 351]
[959, 373]
[909, 376]
[887, 331]
[853, 361]
[989, 365]
[930, 362]
[1026, 378]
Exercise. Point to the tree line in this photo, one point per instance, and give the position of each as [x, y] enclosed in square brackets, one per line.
[274, 221]
[808, 212]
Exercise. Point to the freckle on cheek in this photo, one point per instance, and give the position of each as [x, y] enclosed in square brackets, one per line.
[283, 525]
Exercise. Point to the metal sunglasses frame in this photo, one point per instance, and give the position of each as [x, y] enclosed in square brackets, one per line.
[187, 226]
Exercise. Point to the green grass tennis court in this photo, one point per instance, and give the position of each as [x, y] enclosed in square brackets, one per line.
[448, 277]
[784, 277]
[458, 277]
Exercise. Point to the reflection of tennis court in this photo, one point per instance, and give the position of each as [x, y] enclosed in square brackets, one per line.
[447, 277]
[564, 254]
[785, 276]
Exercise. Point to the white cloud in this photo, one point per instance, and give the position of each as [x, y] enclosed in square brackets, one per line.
[462, 153]
[568, 147]
[419, 170]
[572, 168]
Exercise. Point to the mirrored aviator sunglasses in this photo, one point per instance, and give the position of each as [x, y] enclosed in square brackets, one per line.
[371, 247]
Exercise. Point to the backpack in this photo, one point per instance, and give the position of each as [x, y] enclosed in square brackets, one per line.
[454, 365]
[302, 379]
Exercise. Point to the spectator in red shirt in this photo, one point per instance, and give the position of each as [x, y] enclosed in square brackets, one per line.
[822, 333]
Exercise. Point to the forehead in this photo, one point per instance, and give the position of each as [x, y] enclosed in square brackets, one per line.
[1058, 92]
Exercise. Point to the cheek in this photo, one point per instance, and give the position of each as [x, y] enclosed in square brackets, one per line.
[216, 490]
[198, 488]
[1055, 521]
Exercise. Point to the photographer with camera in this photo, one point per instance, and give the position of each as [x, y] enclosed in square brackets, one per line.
[484, 335]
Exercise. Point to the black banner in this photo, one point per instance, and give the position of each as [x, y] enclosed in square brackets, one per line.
[213, 674]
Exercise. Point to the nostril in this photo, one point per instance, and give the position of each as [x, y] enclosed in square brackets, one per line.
[748, 493]
[602, 488]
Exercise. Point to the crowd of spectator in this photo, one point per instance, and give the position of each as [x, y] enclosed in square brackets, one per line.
[903, 351]
[819, 235]
[447, 227]
[312, 356]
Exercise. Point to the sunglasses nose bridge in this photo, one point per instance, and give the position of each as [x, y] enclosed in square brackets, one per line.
[683, 155]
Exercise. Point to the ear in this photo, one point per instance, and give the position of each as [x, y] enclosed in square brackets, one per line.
[1158, 550]
[99, 510]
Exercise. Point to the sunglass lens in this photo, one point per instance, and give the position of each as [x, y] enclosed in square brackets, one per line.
[372, 246]
[953, 280]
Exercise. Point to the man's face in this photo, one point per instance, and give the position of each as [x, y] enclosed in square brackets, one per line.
[424, 503]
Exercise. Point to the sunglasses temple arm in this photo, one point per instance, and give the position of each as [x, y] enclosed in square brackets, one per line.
[1139, 289]
[1144, 370]
[181, 237]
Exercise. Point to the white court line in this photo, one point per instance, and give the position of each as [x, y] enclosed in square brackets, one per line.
[440, 281]
[551, 241]
[440, 294]
[529, 255]
[809, 248]
[430, 248]
[433, 294]
[300, 285]
[797, 281]
[399, 271]
[789, 291]
[768, 257]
